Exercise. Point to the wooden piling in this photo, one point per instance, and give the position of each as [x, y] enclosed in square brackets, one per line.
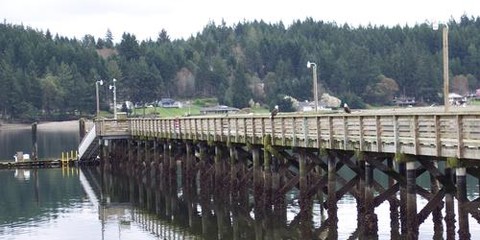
[218, 168]
[279, 201]
[148, 154]
[258, 227]
[106, 154]
[332, 210]
[189, 162]
[370, 219]
[173, 161]
[190, 191]
[412, 223]
[156, 157]
[220, 214]
[257, 181]
[256, 164]
[305, 201]
[81, 128]
[267, 176]
[302, 168]
[166, 158]
[204, 197]
[243, 189]
[234, 169]
[463, 231]
[320, 197]
[360, 187]
[403, 200]
[130, 150]
[449, 207]
[437, 212]
[172, 191]
[267, 169]
[139, 157]
[34, 142]
[394, 216]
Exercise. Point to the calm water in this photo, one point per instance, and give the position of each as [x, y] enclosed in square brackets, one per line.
[52, 140]
[53, 204]
[86, 204]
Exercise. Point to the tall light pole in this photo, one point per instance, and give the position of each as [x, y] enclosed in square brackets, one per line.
[445, 68]
[96, 88]
[315, 84]
[114, 98]
[446, 86]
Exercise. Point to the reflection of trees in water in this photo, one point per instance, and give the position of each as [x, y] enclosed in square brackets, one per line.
[30, 196]
[51, 142]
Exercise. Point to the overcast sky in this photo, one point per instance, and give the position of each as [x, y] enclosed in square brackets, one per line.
[183, 18]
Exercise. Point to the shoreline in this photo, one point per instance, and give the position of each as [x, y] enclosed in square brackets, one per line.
[61, 125]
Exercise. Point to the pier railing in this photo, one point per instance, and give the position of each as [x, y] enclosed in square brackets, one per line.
[87, 142]
[440, 134]
[112, 128]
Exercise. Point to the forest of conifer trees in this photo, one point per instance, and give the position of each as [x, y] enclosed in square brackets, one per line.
[53, 77]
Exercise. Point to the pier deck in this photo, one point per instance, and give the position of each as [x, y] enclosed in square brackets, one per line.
[437, 134]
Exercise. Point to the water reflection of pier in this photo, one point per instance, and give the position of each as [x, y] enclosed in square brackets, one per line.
[240, 192]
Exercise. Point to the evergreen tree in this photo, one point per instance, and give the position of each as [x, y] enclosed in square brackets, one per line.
[109, 39]
[129, 47]
[238, 94]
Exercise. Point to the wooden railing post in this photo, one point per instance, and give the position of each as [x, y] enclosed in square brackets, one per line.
[294, 131]
[237, 139]
[416, 142]
[245, 135]
[345, 132]
[361, 129]
[460, 136]
[330, 132]
[253, 130]
[305, 131]
[396, 134]
[317, 127]
[378, 130]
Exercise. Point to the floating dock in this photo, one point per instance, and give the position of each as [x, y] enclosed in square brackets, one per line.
[36, 164]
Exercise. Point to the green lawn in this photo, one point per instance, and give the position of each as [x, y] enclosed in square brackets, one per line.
[167, 112]
[180, 112]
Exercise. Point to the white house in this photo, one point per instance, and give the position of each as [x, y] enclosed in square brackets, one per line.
[456, 99]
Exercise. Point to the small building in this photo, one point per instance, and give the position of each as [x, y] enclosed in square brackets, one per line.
[129, 105]
[306, 106]
[170, 103]
[220, 109]
[404, 101]
[456, 99]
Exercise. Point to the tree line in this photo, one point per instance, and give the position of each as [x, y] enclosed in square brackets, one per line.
[46, 77]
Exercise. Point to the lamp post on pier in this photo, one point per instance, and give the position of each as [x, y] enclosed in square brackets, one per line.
[114, 88]
[446, 101]
[96, 88]
[315, 84]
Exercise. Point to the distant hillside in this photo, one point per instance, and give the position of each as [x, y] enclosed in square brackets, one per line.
[45, 76]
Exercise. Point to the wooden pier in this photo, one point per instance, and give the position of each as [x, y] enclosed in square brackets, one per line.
[444, 135]
[274, 156]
